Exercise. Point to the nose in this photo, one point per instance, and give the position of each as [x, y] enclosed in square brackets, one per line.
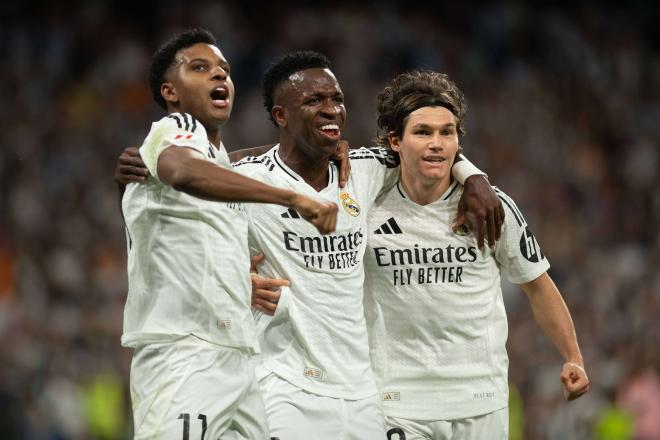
[437, 142]
[219, 73]
[331, 109]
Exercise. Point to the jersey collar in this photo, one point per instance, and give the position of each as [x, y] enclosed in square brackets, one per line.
[279, 163]
[444, 197]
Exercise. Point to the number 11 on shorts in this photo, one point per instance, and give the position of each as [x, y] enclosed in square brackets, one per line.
[186, 425]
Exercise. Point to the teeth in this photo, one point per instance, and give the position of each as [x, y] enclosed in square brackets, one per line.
[330, 127]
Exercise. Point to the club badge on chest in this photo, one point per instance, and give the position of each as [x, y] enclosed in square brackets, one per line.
[350, 205]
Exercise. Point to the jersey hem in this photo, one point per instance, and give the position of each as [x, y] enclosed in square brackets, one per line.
[135, 340]
[456, 413]
[318, 390]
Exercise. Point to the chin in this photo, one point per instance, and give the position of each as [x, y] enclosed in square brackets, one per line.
[219, 118]
[325, 149]
[434, 175]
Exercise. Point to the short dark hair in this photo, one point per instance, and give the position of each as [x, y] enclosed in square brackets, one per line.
[413, 90]
[163, 58]
[284, 67]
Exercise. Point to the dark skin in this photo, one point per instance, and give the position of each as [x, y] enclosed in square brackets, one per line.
[309, 110]
[198, 83]
[312, 99]
[309, 101]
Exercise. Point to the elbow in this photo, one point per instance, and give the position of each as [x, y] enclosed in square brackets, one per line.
[179, 177]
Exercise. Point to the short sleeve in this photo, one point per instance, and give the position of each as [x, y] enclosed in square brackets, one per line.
[379, 164]
[175, 129]
[517, 251]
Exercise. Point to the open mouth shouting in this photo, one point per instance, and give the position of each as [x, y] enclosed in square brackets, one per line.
[220, 97]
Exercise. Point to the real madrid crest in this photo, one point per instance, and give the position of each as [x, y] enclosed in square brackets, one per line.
[351, 206]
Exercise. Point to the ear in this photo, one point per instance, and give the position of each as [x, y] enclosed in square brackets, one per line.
[168, 92]
[279, 115]
[395, 142]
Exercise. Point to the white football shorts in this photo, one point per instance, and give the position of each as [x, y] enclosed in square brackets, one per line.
[491, 426]
[295, 414]
[191, 389]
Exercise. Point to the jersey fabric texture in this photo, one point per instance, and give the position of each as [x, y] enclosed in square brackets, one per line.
[434, 306]
[187, 257]
[317, 339]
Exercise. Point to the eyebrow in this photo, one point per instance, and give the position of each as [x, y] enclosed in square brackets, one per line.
[425, 125]
[206, 60]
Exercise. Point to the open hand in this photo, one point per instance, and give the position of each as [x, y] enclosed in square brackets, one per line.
[482, 209]
[265, 291]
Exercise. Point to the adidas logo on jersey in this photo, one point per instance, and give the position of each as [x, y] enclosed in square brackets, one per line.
[290, 213]
[395, 395]
[389, 227]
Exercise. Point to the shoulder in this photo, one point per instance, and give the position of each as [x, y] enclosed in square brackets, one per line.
[256, 165]
[381, 155]
[510, 207]
[183, 123]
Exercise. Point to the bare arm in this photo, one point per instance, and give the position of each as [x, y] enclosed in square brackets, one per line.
[552, 315]
[186, 170]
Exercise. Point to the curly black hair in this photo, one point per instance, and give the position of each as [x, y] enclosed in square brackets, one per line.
[164, 57]
[413, 90]
[284, 67]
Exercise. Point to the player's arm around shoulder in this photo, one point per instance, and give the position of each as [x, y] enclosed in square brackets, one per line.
[189, 170]
[479, 205]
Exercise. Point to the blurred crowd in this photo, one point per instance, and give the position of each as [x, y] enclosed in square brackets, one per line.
[564, 115]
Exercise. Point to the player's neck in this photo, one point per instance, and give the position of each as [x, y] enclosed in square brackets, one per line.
[424, 191]
[213, 134]
[314, 171]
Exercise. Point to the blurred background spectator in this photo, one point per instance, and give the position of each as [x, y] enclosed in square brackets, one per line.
[564, 115]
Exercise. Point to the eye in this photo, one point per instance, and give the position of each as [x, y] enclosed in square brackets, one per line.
[199, 67]
[339, 99]
[313, 100]
[226, 68]
[422, 132]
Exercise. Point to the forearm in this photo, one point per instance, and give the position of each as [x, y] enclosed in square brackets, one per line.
[552, 315]
[209, 181]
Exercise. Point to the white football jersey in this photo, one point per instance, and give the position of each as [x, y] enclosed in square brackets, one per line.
[317, 339]
[188, 258]
[433, 302]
